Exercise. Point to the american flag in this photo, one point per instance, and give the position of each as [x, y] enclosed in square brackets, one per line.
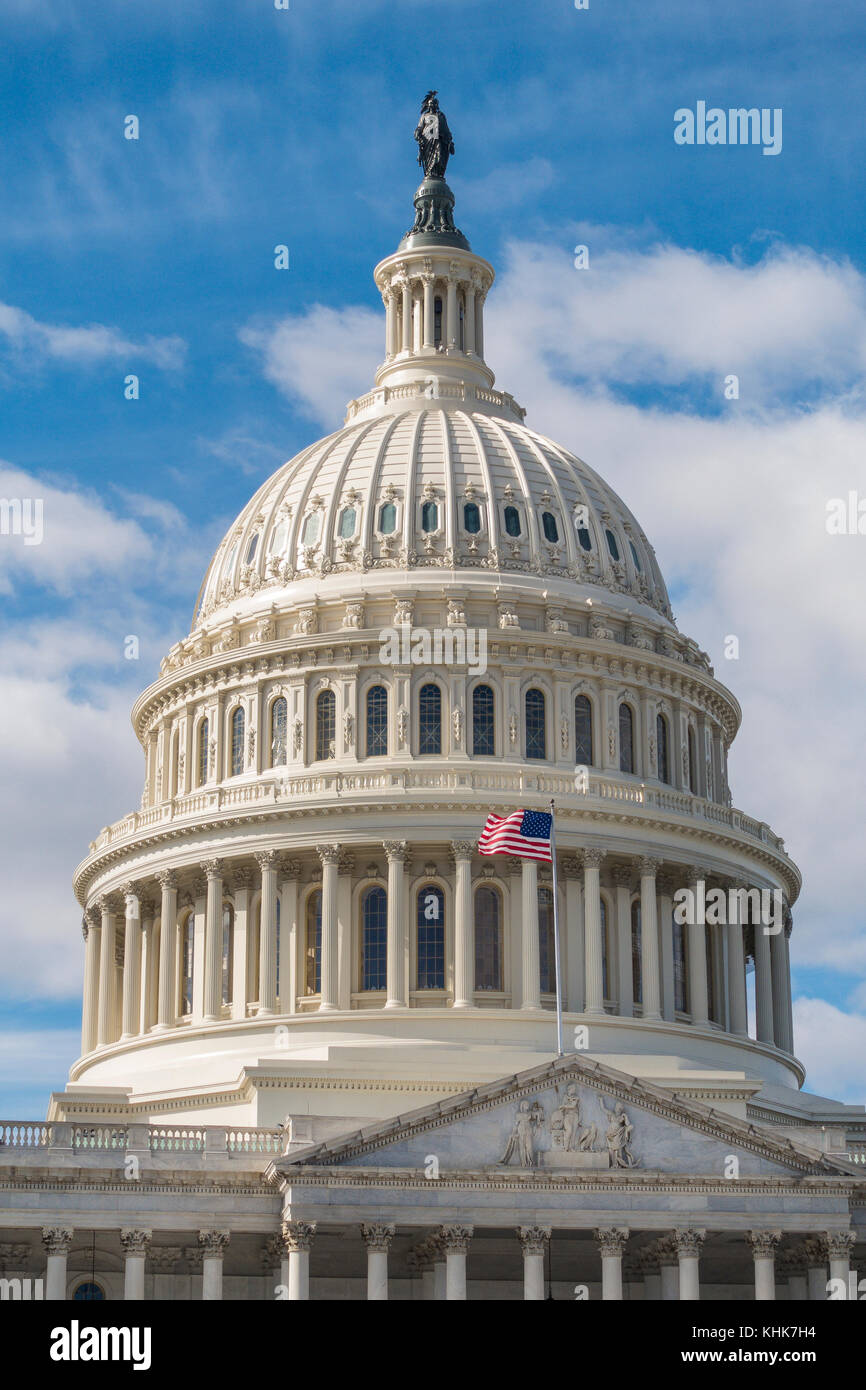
[524, 833]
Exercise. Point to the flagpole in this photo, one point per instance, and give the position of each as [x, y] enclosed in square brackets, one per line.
[556, 951]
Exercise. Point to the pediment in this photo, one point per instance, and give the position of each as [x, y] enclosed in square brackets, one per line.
[570, 1117]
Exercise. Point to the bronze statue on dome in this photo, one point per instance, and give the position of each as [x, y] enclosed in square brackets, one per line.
[435, 144]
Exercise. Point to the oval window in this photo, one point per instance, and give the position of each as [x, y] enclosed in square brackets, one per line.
[387, 519]
[512, 521]
[551, 531]
[472, 518]
[612, 545]
[584, 537]
[252, 548]
[634, 557]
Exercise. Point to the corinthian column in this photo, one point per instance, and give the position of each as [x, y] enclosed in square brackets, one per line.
[839, 1246]
[396, 958]
[533, 1242]
[106, 974]
[689, 1253]
[167, 1004]
[428, 311]
[763, 985]
[298, 1237]
[135, 1245]
[56, 1240]
[736, 967]
[530, 954]
[330, 857]
[267, 862]
[132, 965]
[697, 932]
[649, 939]
[90, 1004]
[213, 955]
[407, 316]
[778, 973]
[213, 1244]
[763, 1245]
[455, 1240]
[592, 859]
[464, 936]
[377, 1238]
[611, 1242]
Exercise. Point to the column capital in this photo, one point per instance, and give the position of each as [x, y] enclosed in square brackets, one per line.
[298, 1235]
[838, 1244]
[666, 1250]
[689, 1243]
[611, 1239]
[378, 1235]
[213, 869]
[131, 900]
[107, 903]
[329, 854]
[533, 1239]
[91, 918]
[266, 859]
[463, 849]
[167, 879]
[134, 1241]
[648, 864]
[56, 1239]
[696, 873]
[213, 1243]
[592, 857]
[455, 1239]
[763, 1243]
[396, 850]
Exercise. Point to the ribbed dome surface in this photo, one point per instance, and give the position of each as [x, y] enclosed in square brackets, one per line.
[435, 485]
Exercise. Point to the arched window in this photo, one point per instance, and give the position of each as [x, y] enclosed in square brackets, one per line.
[347, 523]
[429, 516]
[605, 953]
[313, 944]
[626, 738]
[681, 966]
[377, 721]
[310, 533]
[636, 974]
[472, 518]
[88, 1292]
[483, 725]
[202, 754]
[326, 725]
[583, 731]
[612, 545]
[546, 944]
[387, 519]
[252, 548]
[237, 742]
[512, 521]
[279, 732]
[536, 742]
[488, 940]
[662, 748]
[634, 556]
[227, 951]
[374, 939]
[431, 937]
[550, 528]
[187, 961]
[693, 764]
[429, 720]
[584, 537]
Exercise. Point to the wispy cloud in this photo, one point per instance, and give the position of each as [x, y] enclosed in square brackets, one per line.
[30, 343]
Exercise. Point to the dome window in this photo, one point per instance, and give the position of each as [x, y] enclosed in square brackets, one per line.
[326, 726]
[374, 939]
[512, 521]
[251, 549]
[437, 320]
[634, 556]
[387, 519]
[348, 518]
[662, 748]
[279, 538]
[429, 517]
[472, 518]
[237, 742]
[612, 545]
[626, 738]
[550, 528]
[584, 537]
[536, 746]
[311, 529]
[429, 720]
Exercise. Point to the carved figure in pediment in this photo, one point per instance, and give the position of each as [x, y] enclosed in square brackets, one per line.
[618, 1136]
[565, 1127]
[521, 1141]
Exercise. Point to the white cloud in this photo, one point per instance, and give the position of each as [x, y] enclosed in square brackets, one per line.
[321, 359]
[32, 342]
[832, 1044]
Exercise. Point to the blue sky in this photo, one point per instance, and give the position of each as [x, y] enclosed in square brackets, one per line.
[155, 257]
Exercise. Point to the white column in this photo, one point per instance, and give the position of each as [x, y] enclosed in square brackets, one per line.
[289, 929]
[763, 985]
[530, 952]
[469, 320]
[592, 859]
[298, 1237]
[390, 323]
[575, 949]
[90, 1004]
[243, 988]
[213, 954]
[212, 1244]
[689, 1252]
[429, 311]
[815, 1254]
[778, 974]
[131, 965]
[267, 862]
[649, 939]
[789, 1000]
[407, 317]
[330, 857]
[135, 1243]
[56, 1241]
[397, 943]
[451, 313]
[416, 319]
[479, 324]
[455, 1240]
[736, 970]
[622, 877]
[669, 1269]
[839, 1246]
[464, 935]
[149, 966]
[533, 1243]
[666, 945]
[167, 1005]
[107, 972]
[611, 1241]
[697, 934]
[377, 1237]
[763, 1245]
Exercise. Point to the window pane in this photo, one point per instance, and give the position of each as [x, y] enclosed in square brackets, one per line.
[483, 727]
[279, 538]
[637, 986]
[279, 730]
[488, 943]
[535, 738]
[584, 537]
[237, 743]
[202, 752]
[512, 521]
[311, 529]
[431, 938]
[634, 556]
[429, 516]
[326, 726]
[662, 748]
[583, 731]
[680, 966]
[612, 545]
[626, 739]
[472, 518]
[429, 720]
[347, 523]
[251, 549]
[187, 956]
[377, 722]
[387, 519]
[313, 973]
[374, 939]
[548, 522]
[546, 943]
